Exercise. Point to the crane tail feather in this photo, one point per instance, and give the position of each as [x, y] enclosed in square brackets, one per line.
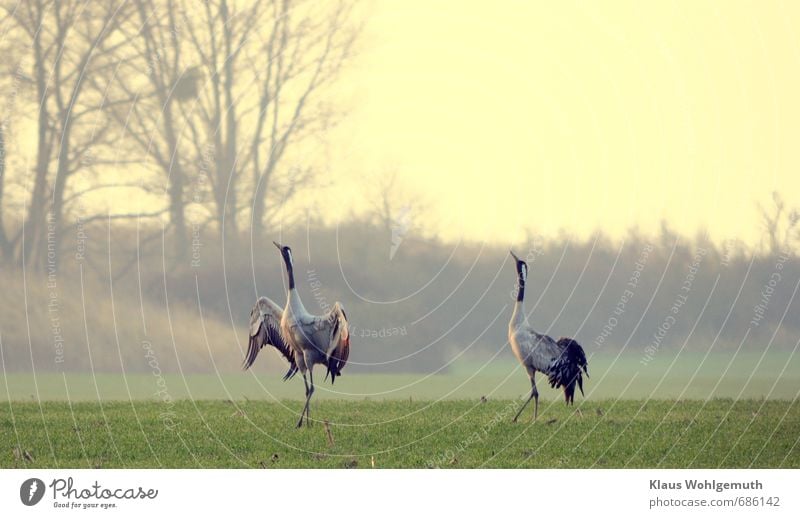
[565, 370]
[290, 373]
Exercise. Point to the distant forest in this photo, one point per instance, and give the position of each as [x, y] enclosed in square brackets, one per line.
[414, 303]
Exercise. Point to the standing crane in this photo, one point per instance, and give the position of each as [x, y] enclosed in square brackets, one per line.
[302, 338]
[561, 361]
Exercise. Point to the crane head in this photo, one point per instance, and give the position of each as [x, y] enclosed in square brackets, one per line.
[286, 252]
[522, 266]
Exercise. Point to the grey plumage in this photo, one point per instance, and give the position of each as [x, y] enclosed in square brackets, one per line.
[562, 361]
[302, 338]
[265, 329]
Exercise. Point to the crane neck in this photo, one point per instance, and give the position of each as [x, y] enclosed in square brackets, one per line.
[287, 260]
[294, 304]
[518, 317]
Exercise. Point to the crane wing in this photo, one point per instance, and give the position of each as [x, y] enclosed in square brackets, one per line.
[339, 342]
[562, 361]
[538, 349]
[265, 329]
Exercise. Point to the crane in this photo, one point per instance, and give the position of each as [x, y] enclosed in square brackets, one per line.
[560, 360]
[302, 338]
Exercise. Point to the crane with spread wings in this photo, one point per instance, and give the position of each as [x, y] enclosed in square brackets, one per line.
[303, 339]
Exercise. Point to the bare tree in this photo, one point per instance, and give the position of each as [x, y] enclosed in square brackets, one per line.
[6, 245]
[780, 225]
[12, 81]
[218, 96]
[392, 206]
[395, 211]
[222, 94]
[218, 38]
[266, 65]
[156, 78]
[70, 41]
[28, 20]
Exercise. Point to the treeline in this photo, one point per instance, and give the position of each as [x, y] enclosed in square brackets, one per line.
[415, 305]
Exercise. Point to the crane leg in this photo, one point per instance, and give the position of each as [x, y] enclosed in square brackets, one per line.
[310, 393]
[535, 396]
[305, 381]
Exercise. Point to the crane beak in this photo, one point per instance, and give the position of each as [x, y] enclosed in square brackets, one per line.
[514, 255]
[278, 245]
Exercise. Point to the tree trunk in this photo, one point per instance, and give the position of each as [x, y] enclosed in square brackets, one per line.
[34, 223]
[230, 200]
[259, 202]
[176, 213]
[6, 248]
[55, 223]
[176, 181]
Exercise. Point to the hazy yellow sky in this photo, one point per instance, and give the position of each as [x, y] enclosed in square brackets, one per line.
[504, 117]
[582, 116]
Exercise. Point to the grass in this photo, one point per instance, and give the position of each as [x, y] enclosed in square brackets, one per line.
[688, 375]
[677, 411]
[401, 434]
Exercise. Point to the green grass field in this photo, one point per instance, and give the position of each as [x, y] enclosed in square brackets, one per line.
[684, 410]
[689, 375]
[407, 434]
